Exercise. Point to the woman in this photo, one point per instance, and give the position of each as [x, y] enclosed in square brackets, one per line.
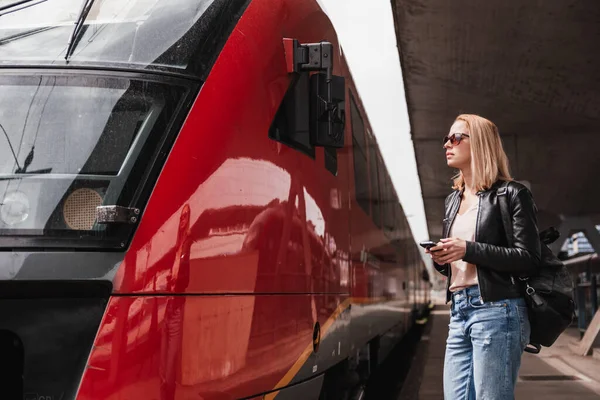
[489, 327]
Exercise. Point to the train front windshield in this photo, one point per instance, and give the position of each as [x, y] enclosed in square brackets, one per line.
[71, 143]
[141, 34]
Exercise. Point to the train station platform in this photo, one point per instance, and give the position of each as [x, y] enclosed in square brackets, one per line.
[555, 373]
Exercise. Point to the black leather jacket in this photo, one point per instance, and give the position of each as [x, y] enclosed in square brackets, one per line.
[498, 266]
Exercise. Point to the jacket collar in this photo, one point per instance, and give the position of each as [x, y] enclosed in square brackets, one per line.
[451, 212]
[454, 206]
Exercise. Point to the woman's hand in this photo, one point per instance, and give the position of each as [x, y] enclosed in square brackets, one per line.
[448, 250]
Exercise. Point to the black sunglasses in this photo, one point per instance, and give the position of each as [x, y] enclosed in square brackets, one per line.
[455, 138]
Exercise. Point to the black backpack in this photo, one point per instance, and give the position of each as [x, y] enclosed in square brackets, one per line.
[548, 293]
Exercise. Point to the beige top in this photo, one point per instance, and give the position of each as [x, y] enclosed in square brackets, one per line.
[464, 274]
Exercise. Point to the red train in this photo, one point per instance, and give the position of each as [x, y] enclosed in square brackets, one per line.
[193, 205]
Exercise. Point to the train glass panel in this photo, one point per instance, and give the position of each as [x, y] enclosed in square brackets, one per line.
[359, 148]
[77, 143]
[166, 35]
[374, 180]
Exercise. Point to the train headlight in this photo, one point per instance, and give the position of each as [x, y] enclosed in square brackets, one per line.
[14, 208]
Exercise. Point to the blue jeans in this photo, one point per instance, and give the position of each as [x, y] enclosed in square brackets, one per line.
[484, 346]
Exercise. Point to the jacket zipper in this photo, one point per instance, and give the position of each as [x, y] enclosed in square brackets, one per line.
[481, 289]
[447, 234]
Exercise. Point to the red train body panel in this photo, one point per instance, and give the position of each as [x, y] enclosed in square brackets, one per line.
[253, 266]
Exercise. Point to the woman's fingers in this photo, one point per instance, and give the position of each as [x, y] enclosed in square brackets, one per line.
[447, 251]
[439, 247]
[447, 257]
[444, 245]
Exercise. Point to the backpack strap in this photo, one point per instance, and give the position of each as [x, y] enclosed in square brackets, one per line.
[502, 193]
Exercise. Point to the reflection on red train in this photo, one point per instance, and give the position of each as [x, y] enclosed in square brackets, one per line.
[265, 263]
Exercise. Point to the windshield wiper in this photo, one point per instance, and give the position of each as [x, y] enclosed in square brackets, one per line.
[11, 147]
[14, 6]
[75, 35]
[25, 34]
[27, 162]
[28, 159]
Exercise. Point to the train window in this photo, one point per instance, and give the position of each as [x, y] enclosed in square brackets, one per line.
[374, 179]
[405, 229]
[176, 35]
[392, 224]
[394, 211]
[399, 228]
[79, 142]
[393, 202]
[359, 151]
[383, 190]
[388, 220]
[291, 123]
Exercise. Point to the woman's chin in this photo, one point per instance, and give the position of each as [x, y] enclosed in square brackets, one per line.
[453, 164]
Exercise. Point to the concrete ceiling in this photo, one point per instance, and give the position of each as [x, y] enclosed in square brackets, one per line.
[532, 67]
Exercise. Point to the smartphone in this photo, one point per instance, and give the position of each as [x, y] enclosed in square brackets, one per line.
[428, 244]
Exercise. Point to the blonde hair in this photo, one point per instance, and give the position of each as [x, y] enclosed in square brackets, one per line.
[489, 162]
